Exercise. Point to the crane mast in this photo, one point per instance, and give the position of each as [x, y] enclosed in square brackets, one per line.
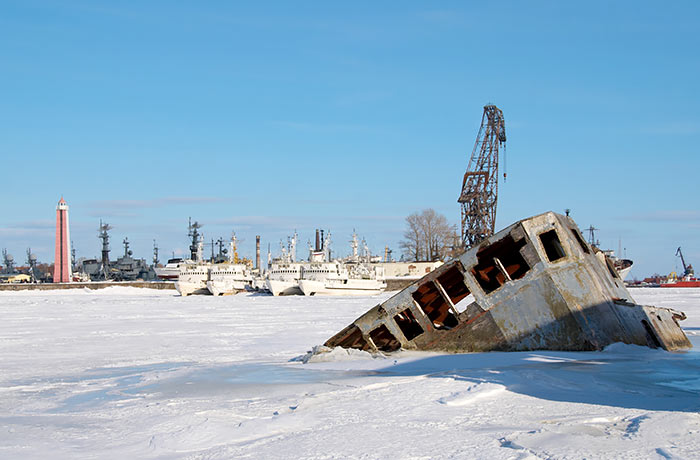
[480, 184]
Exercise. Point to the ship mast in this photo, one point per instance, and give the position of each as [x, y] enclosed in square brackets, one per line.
[156, 261]
[31, 260]
[196, 246]
[104, 236]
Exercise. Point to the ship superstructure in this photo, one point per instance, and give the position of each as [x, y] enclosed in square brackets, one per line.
[623, 266]
[125, 268]
[192, 279]
[193, 274]
[283, 273]
[230, 276]
[336, 278]
[354, 275]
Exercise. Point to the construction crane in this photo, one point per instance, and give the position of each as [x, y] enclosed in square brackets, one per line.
[687, 269]
[480, 184]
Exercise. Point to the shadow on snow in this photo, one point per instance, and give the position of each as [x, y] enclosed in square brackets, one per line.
[623, 375]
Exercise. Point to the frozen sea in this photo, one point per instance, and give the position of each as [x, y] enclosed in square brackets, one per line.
[137, 373]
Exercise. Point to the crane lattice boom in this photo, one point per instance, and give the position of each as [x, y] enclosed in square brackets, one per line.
[480, 184]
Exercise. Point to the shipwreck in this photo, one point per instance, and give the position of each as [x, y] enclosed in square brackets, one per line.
[536, 285]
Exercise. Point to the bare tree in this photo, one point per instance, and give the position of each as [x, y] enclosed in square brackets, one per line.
[411, 246]
[428, 236]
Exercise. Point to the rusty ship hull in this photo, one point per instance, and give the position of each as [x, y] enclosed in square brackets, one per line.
[535, 285]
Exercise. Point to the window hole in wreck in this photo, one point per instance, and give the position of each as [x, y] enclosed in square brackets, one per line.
[452, 281]
[434, 305]
[353, 339]
[507, 251]
[611, 268]
[410, 327]
[579, 238]
[552, 245]
[384, 340]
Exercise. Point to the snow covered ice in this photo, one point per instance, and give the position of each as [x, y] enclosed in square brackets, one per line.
[138, 373]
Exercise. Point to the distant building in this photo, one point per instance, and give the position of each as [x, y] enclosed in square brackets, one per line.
[413, 270]
[62, 263]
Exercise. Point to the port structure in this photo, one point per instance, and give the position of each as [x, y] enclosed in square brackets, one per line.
[480, 184]
[687, 269]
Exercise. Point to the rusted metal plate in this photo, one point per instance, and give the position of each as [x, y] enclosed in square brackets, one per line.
[535, 285]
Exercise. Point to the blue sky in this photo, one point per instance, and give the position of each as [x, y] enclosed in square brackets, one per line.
[268, 117]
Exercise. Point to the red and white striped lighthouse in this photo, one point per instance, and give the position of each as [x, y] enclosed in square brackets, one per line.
[62, 264]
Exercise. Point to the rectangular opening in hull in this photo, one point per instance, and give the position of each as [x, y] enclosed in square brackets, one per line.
[352, 338]
[384, 340]
[435, 306]
[408, 324]
[452, 281]
[552, 245]
[579, 239]
[611, 268]
[507, 251]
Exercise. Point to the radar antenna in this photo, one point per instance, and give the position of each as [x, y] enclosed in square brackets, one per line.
[104, 236]
[127, 252]
[31, 261]
[8, 261]
[195, 250]
[156, 261]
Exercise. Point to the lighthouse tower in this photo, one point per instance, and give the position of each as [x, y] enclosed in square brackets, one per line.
[62, 264]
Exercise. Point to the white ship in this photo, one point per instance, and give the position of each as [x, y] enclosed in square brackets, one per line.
[192, 279]
[354, 276]
[259, 283]
[227, 279]
[336, 278]
[231, 277]
[282, 277]
[171, 270]
[623, 266]
[193, 276]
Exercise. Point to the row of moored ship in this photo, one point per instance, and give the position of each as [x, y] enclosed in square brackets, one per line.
[358, 274]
